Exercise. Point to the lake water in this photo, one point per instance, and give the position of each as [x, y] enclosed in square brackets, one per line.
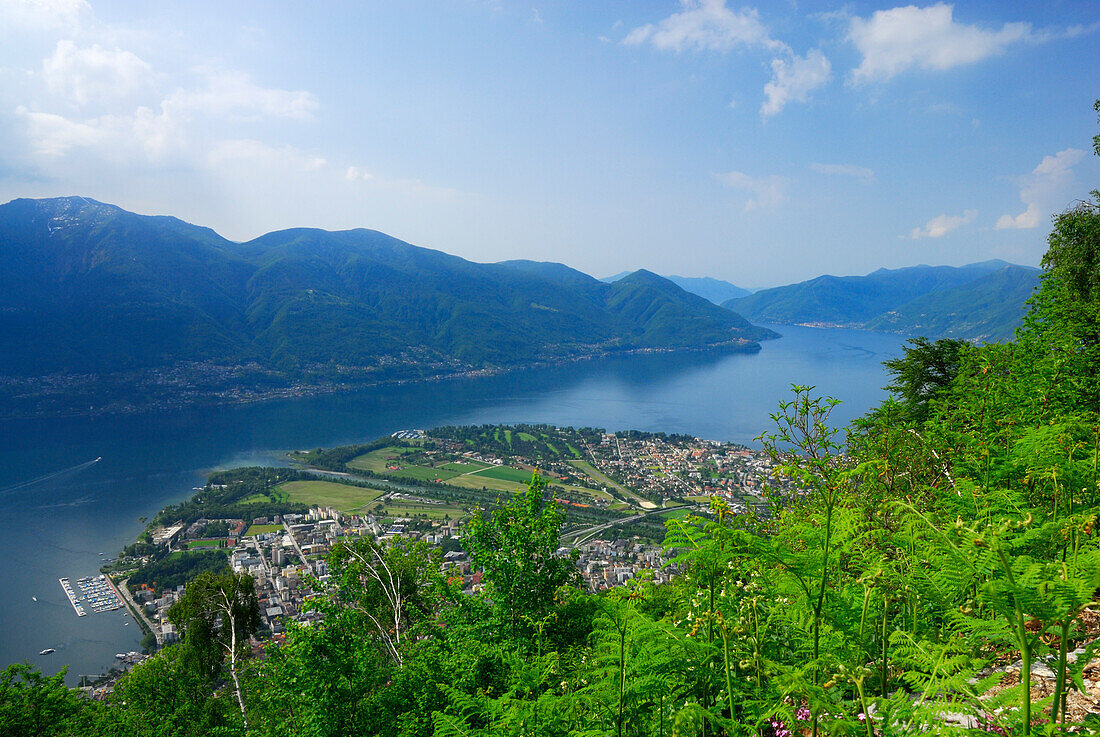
[57, 526]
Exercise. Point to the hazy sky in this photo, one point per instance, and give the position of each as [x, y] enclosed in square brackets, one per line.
[759, 144]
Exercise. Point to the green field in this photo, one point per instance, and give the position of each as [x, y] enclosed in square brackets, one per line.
[481, 480]
[424, 473]
[699, 498]
[504, 473]
[204, 544]
[676, 513]
[602, 478]
[464, 466]
[261, 529]
[377, 460]
[412, 509]
[330, 494]
[526, 436]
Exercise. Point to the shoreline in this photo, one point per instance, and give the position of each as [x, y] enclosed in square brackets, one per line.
[738, 346]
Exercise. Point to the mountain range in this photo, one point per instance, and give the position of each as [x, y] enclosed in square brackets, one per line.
[715, 290]
[99, 302]
[981, 302]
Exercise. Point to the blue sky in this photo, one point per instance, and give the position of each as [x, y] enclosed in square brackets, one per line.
[760, 144]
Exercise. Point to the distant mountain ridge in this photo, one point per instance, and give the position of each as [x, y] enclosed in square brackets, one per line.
[981, 301]
[713, 290]
[146, 307]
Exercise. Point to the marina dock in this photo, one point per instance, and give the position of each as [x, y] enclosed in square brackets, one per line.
[72, 597]
[98, 593]
[94, 592]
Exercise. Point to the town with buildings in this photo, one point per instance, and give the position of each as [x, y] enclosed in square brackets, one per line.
[617, 489]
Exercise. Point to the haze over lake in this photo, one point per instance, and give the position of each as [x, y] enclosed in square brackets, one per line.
[56, 526]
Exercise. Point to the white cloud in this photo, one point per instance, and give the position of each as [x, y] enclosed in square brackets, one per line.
[1044, 190]
[896, 40]
[233, 94]
[236, 151]
[765, 192]
[355, 174]
[793, 80]
[705, 25]
[96, 74]
[941, 225]
[42, 15]
[108, 138]
[53, 136]
[862, 173]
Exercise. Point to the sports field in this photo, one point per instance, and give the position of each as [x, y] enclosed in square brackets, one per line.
[261, 529]
[504, 473]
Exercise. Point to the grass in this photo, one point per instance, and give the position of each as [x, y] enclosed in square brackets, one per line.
[481, 480]
[256, 499]
[597, 476]
[675, 513]
[527, 436]
[504, 473]
[377, 460]
[344, 497]
[464, 466]
[423, 473]
[261, 529]
[204, 544]
[412, 509]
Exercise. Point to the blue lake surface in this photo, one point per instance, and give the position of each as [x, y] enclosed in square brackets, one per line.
[56, 526]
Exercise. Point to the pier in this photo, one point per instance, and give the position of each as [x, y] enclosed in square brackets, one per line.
[72, 597]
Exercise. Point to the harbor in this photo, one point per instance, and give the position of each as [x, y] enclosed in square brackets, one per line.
[94, 592]
[98, 593]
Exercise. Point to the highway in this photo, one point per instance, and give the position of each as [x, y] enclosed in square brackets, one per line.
[583, 536]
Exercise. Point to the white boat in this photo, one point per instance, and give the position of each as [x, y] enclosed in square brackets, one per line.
[34, 598]
[47, 651]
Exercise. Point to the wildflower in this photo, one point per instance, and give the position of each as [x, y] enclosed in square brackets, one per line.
[803, 714]
[780, 729]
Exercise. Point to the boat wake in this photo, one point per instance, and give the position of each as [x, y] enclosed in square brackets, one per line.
[48, 477]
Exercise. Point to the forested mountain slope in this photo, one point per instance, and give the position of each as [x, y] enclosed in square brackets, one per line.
[936, 301]
[90, 288]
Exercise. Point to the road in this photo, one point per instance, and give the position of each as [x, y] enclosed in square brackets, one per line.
[583, 536]
[124, 592]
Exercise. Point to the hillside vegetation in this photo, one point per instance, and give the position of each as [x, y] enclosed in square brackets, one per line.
[108, 303]
[715, 290]
[983, 301]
